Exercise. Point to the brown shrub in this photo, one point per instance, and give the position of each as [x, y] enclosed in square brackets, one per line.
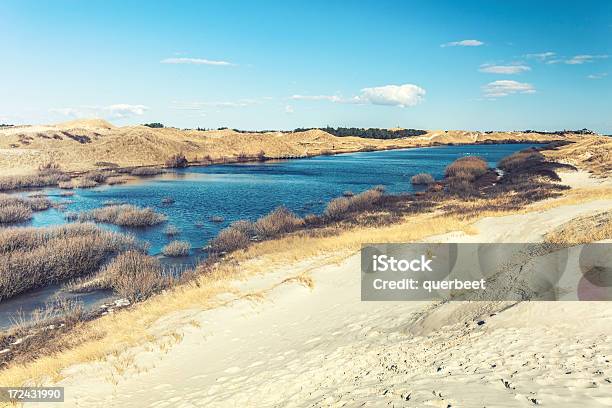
[177, 160]
[16, 212]
[34, 257]
[172, 230]
[422, 179]
[466, 168]
[135, 275]
[124, 215]
[279, 221]
[339, 207]
[176, 248]
[522, 160]
[229, 239]
[146, 171]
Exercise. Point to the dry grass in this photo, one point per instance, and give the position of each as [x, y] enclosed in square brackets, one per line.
[279, 221]
[135, 275]
[466, 168]
[176, 249]
[36, 257]
[15, 209]
[172, 230]
[177, 160]
[422, 179]
[340, 207]
[582, 230]
[146, 171]
[229, 239]
[124, 215]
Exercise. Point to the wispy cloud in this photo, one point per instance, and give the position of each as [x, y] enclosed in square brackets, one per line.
[600, 75]
[331, 98]
[504, 69]
[583, 59]
[391, 95]
[196, 61]
[289, 109]
[116, 111]
[506, 87]
[196, 106]
[542, 56]
[463, 43]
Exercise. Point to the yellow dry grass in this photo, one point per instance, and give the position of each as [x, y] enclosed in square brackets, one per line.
[590, 228]
[79, 145]
[592, 153]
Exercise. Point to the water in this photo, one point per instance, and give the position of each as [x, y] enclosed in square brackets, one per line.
[248, 191]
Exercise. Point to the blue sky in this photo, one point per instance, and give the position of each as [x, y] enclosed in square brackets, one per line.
[478, 65]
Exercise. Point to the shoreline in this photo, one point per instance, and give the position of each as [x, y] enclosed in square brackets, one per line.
[324, 326]
[216, 292]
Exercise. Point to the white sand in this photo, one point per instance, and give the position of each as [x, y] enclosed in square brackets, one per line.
[324, 347]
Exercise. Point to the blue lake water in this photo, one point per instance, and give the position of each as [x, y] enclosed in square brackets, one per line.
[248, 191]
[244, 191]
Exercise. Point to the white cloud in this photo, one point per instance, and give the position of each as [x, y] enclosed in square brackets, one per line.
[582, 59]
[391, 95]
[116, 111]
[506, 87]
[542, 56]
[601, 75]
[123, 110]
[195, 61]
[504, 69]
[395, 95]
[463, 43]
[289, 109]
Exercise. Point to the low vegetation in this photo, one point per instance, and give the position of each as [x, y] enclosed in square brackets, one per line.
[466, 168]
[176, 249]
[135, 276]
[341, 206]
[177, 161]
[15, 209]
[279, 221]
[125, 215]
[146, 171]
[582, 230]
[35, 257]
[422, 179]
[172, 230]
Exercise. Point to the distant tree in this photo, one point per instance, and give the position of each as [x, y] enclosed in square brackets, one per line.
[156, 125]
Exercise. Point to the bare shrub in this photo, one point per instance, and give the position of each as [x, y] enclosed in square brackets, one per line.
[112, 181]
[167, 200]
[83, 182]
[135, 275]
[16, 212]
[466, 168]
[124, 215]
[18, 209]
[229, 239]
[279, 221]
[172, 230]
[521, 160]
[34, 257]
[65, 185]
[339, 207]
[176, 248]
[348, 193]
[217, 218]
[146, 171]
[177, 160]
[422, 179]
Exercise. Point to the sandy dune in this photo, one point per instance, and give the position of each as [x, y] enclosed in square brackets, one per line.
[89, 144]
[297, 346]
